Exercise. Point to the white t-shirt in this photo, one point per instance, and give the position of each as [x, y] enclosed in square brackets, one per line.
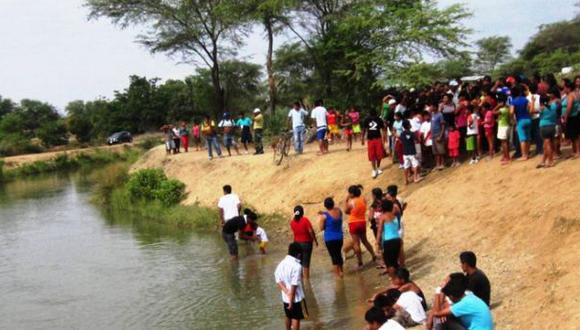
[536, 105]
[261, 233]
[474, 128]
[319, 113]
[415, 124]
[226, 123]
[411, 303]
[229, 203]
[426, 133]
[289, 273]
[391, 325]
[297, 117]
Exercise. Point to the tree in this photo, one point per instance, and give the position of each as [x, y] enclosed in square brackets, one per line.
[563, 35]
[53, 133]
[6, 106]
[492, 51]
[199, 30]
[79, 121]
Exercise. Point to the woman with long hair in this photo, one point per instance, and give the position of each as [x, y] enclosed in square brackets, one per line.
[356, 208]
[330, 221]
[303, 235]
[388, 234]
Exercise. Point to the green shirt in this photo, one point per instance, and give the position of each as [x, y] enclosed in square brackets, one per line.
[504, 117]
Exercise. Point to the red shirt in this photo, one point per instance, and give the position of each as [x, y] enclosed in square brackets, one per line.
[331, 118]
[301, 230]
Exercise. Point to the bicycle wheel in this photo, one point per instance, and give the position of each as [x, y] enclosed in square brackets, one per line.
[279, 153]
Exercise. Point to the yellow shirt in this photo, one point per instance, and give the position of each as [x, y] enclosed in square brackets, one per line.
[259, 122]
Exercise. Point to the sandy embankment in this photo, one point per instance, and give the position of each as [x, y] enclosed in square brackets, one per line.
[523, 223]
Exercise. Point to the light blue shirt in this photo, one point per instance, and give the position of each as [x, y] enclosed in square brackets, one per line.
[391, 230]
[246, 121]
[473, 313]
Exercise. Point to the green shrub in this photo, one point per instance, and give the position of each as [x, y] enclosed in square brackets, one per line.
[144, 184]
[149, 143]
[170, 192]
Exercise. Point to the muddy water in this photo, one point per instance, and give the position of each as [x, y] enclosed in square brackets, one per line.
[66, 265]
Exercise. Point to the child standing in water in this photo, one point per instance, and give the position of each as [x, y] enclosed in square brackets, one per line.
[262, 238]
[453, 145]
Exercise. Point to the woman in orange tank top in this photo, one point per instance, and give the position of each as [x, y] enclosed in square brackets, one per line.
[356, 208]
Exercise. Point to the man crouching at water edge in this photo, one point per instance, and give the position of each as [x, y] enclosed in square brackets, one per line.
[237, 225]
[288, 277]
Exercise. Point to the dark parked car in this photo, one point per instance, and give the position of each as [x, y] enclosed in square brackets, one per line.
[120, 137]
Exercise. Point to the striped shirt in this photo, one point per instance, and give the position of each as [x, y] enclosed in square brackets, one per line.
[289, 273]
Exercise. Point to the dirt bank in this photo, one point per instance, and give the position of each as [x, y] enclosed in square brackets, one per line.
[523, 223]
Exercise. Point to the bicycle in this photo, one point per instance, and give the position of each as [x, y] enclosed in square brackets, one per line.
[282, 147]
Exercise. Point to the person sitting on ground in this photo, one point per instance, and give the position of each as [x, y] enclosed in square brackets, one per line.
[467, 311]
[402, 282]
[330, 222]
[408, 306]
[377, 320]
[478, 283]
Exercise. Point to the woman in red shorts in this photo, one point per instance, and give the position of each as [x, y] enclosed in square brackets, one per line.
[356, 208]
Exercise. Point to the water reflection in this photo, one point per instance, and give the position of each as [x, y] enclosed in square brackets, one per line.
[66, 264]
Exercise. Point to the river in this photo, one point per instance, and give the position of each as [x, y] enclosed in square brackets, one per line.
[64, 264]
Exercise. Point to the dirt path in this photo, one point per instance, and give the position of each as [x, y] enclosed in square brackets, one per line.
[523, 223]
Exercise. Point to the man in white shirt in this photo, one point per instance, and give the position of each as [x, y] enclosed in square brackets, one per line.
[319, 115]
[288, 276]
[297, 117]
[229, 205]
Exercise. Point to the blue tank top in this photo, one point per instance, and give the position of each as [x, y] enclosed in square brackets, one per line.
[391, 230]
[564, 106]
[332, 227]
[520, 104]
[549, 116]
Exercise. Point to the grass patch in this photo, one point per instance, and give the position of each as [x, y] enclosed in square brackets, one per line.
[64, 162]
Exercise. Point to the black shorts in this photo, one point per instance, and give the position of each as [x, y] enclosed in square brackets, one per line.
[548, 132]
[246, 135]
[230, 240]
[334, 248]
[295, 313]
[306, 254]
[573, 127]
[391, 250]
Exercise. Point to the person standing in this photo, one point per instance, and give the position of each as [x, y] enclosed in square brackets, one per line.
[229, 205]
[374, 128]
[196, 133]
[548, 122]
[209, 132]
[346, 124]
[296, 118]
[228, 126]
[356, 208]
[245, 125]
[330, 221]
[237, 225]
[504, 129]
[410, 162]
[184, 135]
[447, 109]
[258, 131]
[438, 127]
[176, 140]
[288, 277]
[388, 234]
[521, 109]
[319, 114]
[303, 235]
[355, 117]
[571, 114]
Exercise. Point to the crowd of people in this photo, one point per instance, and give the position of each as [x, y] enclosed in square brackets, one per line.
[422, 130]
[461, 302]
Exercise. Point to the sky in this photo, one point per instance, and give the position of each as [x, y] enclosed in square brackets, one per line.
[50, 51]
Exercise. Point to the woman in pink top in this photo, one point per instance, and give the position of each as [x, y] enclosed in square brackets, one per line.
[461, 121]
[488, 125]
